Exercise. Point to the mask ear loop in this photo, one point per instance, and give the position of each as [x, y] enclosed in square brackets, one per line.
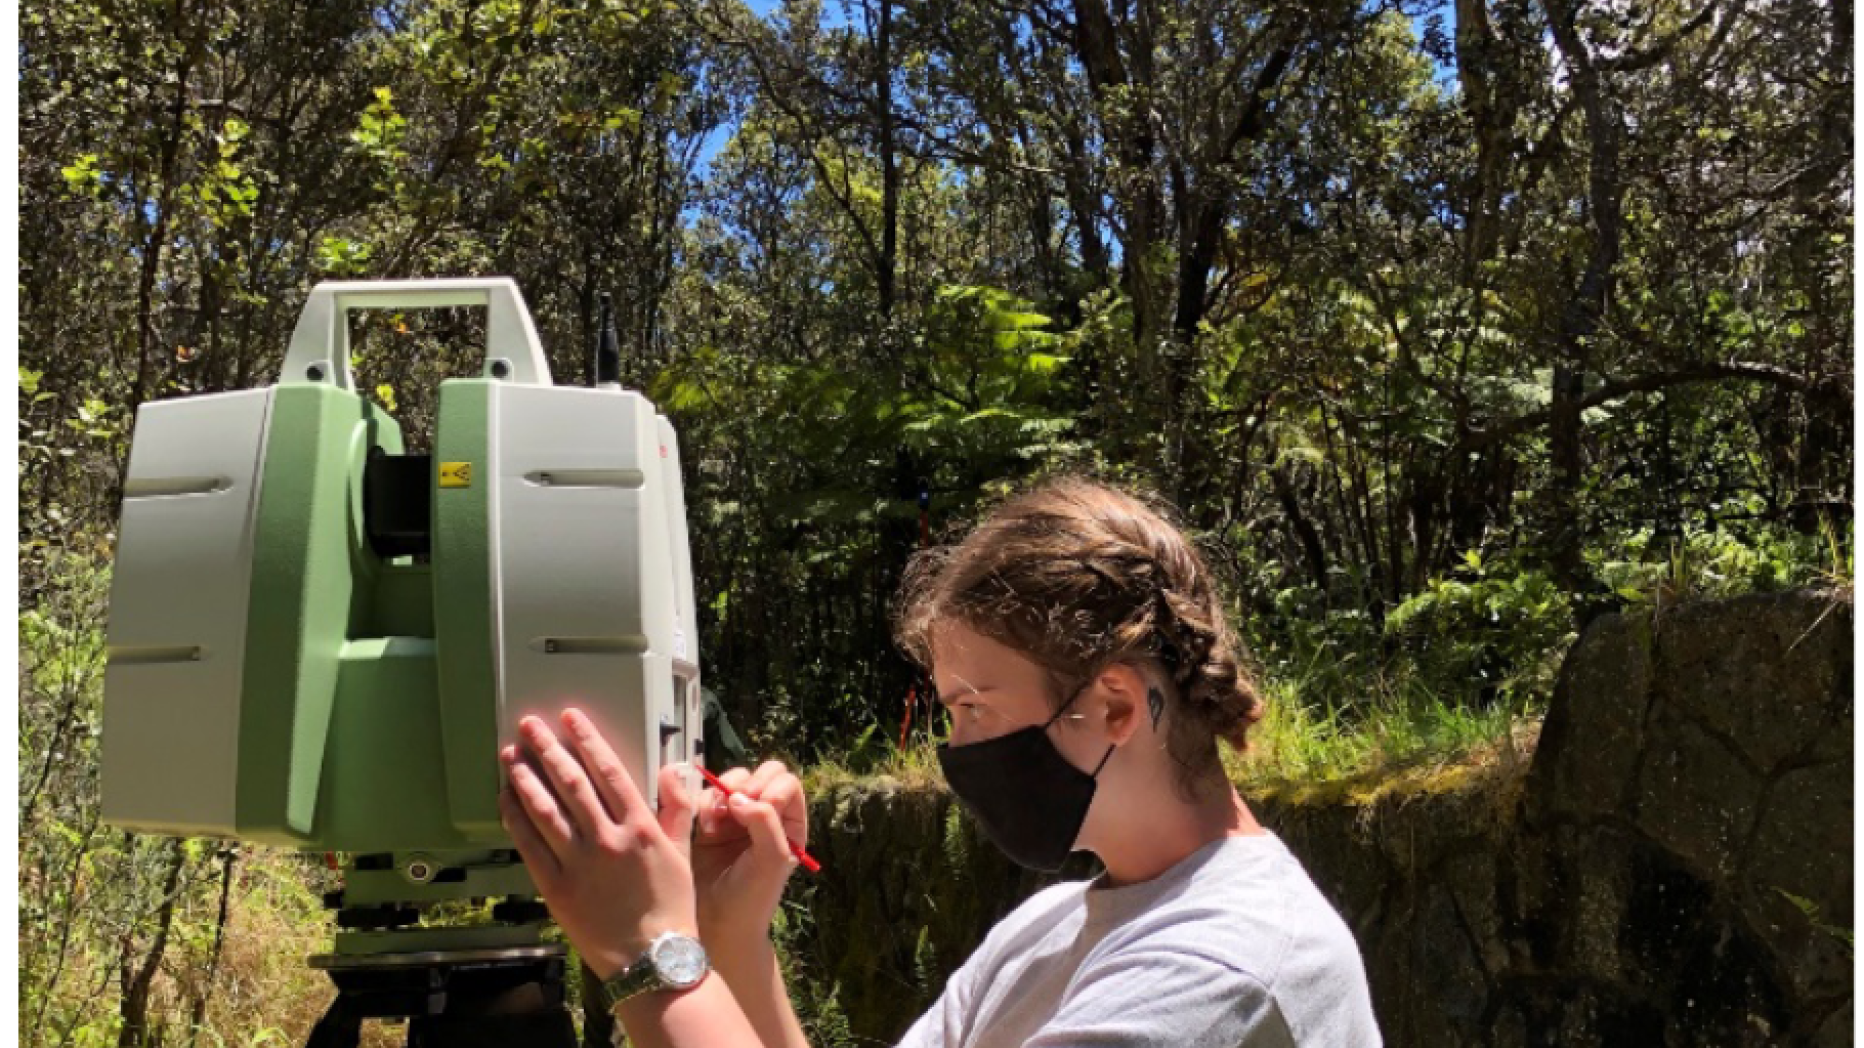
[1058, 710]
[1105, 757]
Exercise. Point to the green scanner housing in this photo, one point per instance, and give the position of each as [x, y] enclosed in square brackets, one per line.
[292, 662]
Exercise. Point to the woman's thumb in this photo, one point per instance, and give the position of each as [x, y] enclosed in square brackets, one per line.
[676, 805]
[765, 826]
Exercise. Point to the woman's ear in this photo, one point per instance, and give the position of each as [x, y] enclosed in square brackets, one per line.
[1123, 689]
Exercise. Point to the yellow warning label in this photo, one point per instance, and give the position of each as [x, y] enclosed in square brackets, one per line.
[456, 474]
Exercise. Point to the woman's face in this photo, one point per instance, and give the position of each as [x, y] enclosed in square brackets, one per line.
[988, 688]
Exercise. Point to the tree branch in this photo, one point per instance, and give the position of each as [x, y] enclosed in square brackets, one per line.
[1617, 389]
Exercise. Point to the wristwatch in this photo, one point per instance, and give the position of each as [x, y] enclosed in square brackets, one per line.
[672, 962]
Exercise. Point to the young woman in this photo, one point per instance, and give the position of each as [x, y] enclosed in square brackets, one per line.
[1080, 645]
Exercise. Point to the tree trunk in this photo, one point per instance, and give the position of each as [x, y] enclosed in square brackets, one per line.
[889, 164]
[1580, 321]
[136, 981]
[1303, 528]
[229, 856]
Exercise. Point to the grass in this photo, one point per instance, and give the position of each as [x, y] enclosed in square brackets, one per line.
[266, 993]
[262, 991]
[1396, 741]
[1403, 739]
[914, 767]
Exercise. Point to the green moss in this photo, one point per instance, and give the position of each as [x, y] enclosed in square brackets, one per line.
[914, 768]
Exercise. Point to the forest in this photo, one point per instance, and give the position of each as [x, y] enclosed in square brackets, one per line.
[1447, 327]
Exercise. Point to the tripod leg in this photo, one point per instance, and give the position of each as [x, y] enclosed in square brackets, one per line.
[340, 1027]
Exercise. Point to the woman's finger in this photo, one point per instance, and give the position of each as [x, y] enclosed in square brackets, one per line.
[766, 829]
[581, 804]
[537, 856]
[618, 792]
[786, 796]
[708, 811]
[761, 779]
[676, 807]
[537, 803]
[735, 780]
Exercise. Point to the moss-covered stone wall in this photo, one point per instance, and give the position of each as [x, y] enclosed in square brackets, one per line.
[1671, 867]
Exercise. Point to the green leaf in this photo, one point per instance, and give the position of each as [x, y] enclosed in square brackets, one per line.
[81, 175]
[343, 257]
[978, 416]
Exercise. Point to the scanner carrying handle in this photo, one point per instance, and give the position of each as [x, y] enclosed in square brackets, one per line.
[320, 344]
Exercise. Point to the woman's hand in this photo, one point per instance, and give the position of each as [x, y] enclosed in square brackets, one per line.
[614, 873]
[741, 854]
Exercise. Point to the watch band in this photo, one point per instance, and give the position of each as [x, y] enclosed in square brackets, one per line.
[637, 978]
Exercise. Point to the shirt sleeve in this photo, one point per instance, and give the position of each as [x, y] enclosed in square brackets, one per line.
[948, 1023]
[1165, 999]
[943, 1024]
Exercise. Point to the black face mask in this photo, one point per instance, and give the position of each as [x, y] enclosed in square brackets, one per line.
[1030, 801]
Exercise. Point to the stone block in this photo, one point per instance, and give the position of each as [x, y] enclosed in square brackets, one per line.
[1769, 672]
[1838, 1029]
[1696, 796]
[1594, 729]
[1803, 844]
[1797, 886]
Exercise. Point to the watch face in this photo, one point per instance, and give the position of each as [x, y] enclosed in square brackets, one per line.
[680, 960]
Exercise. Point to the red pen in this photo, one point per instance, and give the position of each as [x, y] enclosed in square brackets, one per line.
[802, 856]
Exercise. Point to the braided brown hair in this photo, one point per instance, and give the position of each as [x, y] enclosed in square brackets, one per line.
[1080, 576]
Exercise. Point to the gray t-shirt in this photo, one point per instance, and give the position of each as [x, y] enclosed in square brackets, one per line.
[1234, 947]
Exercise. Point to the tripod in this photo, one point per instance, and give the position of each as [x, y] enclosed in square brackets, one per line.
[507, 996]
